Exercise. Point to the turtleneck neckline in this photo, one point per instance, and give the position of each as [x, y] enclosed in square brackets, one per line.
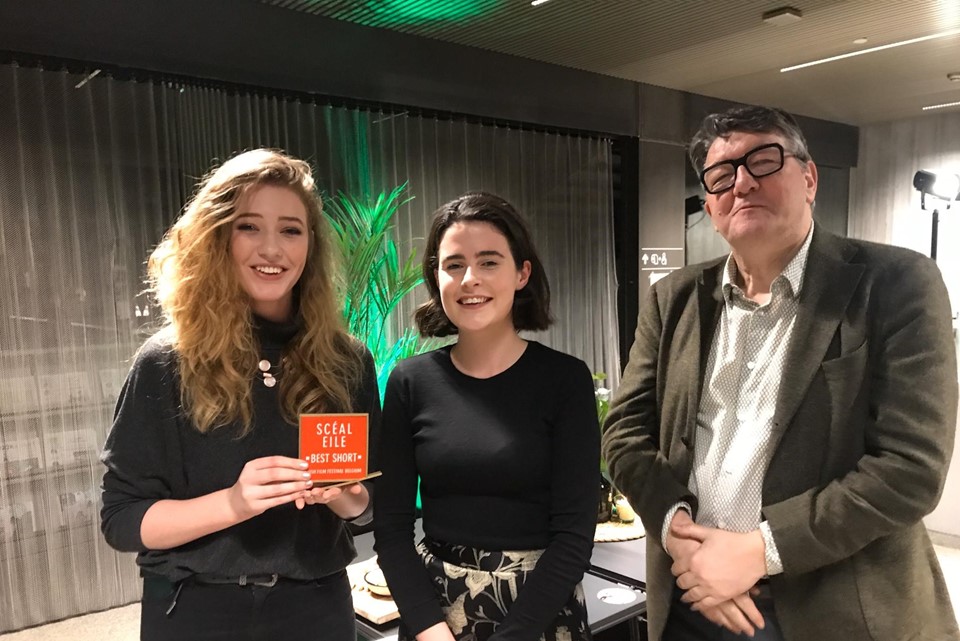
[274, 335]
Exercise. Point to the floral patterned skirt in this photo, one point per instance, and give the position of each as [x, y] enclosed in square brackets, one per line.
[477, 588]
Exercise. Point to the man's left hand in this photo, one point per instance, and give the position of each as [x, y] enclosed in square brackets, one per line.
[727, 564]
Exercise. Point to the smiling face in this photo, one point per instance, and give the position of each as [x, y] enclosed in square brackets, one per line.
[776, 210]
[478, 278]
[269, 245]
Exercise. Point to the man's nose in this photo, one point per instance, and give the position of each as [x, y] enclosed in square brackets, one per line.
[744, 181]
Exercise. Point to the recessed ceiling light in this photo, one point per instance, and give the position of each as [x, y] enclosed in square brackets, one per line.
[537, 3]
[946, 104]
[942, 34]
[954, 77]
[860, 41]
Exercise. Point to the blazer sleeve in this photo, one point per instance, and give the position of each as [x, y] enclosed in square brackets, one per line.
[632, 439]
[908, 426]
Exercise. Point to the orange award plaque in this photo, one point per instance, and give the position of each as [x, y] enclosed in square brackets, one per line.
[336, 447]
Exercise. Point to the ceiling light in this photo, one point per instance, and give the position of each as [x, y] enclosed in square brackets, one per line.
[537, 3]
[954, 77]
[782, 16]
[860, 41]
[942, 34]
[946, 104]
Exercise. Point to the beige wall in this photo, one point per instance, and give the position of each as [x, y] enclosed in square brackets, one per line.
[884, 207]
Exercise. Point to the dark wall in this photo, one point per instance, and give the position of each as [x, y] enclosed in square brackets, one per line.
[672, 116]
[244, 41]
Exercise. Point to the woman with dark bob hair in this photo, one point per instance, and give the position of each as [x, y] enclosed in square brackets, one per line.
[203, 480]
[502, 433]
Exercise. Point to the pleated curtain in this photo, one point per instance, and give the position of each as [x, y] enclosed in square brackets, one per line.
[94, 168]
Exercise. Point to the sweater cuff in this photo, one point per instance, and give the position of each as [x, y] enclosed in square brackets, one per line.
[365, 517]
[423, 616]
[122, 528]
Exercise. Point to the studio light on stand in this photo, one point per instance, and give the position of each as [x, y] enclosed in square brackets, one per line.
[945, 187]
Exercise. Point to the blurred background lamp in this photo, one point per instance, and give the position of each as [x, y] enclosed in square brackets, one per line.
[940, 185]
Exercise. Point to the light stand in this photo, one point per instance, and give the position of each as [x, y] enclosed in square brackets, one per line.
[944, 187]
[935, 223]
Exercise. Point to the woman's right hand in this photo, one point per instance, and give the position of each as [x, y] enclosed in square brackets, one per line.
[268, 482]
[263, 483]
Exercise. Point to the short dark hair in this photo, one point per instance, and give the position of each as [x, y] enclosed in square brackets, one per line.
[531, 305]
[749, 118]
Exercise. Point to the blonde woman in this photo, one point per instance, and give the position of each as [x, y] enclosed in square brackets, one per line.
[202, 478]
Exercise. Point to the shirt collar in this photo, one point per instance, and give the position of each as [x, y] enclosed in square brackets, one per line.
[792, 274]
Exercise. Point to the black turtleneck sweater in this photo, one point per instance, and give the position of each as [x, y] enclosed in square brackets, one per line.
[154, 452]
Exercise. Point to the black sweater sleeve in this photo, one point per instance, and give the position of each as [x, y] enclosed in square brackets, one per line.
[575, 475]
[395, 507]
[137, 451]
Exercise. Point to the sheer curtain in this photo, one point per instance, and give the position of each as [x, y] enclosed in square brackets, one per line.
[561, 184]
[94, 169]
[85, 189]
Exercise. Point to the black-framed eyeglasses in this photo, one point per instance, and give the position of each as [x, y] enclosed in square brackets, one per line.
[760, 161]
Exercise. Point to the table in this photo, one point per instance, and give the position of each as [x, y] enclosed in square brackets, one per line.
[621, 561]
[614, 566]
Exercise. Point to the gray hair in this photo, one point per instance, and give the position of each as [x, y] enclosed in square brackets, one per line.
[751, 119]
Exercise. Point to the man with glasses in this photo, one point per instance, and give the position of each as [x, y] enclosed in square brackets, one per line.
[787, 415]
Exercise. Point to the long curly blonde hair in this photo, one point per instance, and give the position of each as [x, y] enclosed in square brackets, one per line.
[207, 313]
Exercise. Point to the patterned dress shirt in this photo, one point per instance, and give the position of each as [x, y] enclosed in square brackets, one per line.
[733, 444]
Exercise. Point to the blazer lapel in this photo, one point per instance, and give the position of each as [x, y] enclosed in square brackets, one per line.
[829, 282]
[709, 308]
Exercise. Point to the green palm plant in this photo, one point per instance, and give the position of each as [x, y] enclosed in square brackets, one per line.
[376, 278]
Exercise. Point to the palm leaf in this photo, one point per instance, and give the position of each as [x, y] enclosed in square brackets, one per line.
[376, 279]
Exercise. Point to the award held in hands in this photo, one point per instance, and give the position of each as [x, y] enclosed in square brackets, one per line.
[336, 448]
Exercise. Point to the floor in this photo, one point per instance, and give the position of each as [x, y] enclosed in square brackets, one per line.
[123, 624]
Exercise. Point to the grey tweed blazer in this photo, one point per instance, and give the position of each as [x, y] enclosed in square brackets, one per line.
[864, 430]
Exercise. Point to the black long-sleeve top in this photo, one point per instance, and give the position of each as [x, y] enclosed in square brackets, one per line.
[154, 452]
[505, 463]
